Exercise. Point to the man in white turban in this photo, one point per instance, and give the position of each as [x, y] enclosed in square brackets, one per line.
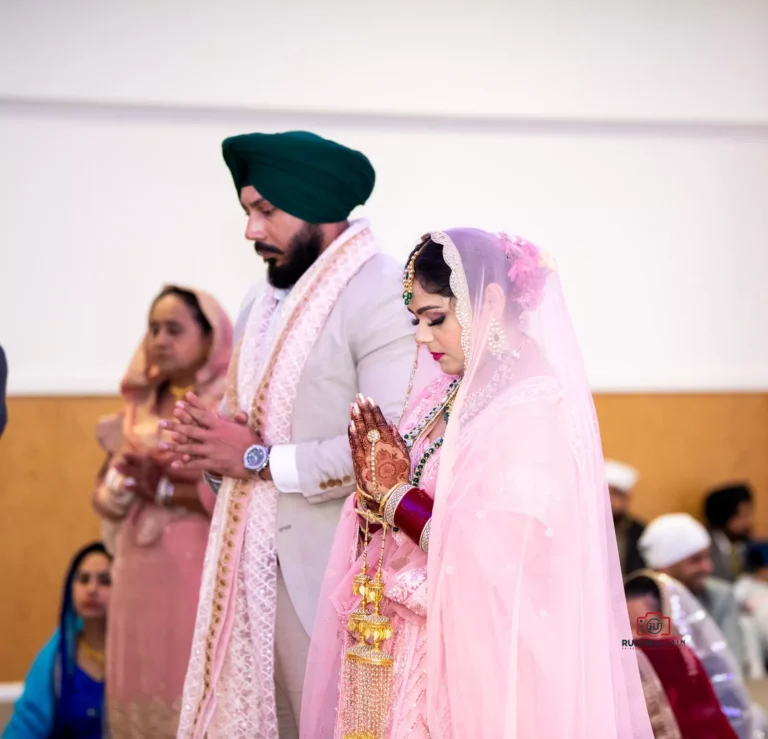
[677, 545]
[621, 479]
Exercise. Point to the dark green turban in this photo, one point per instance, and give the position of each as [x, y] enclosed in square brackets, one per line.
[312, 178]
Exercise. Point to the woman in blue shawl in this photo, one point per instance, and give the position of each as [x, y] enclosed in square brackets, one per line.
[64, 691]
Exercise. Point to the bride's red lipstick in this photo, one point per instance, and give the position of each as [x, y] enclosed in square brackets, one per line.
[437, 357]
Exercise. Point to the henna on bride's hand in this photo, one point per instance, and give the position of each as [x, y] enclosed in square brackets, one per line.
[391, 458]
[373, 418]
[392, 466]
[361, 459]
[398, 458]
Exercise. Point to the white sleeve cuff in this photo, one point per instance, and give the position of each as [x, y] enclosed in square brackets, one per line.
[284, 469]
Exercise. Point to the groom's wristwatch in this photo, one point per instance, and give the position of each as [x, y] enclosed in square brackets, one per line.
[256, 459]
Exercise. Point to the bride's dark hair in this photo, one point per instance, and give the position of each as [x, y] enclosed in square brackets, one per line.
[434, 275]
[482, 255]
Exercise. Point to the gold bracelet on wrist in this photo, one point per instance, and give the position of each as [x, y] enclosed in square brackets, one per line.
[364, 511]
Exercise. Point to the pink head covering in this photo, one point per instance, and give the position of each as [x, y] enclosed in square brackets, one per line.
[141, 380]
[526, 613]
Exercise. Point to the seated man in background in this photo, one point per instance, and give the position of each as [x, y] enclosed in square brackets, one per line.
[729, 511]
[621, 479]
[677, 545]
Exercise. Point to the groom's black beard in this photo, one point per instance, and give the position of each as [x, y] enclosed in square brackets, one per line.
[304, 249]
[618, 518]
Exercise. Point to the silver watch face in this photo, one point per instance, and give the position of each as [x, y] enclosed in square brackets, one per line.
[256, 458]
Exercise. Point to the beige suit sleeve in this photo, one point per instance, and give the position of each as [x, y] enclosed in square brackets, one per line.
[381, 338]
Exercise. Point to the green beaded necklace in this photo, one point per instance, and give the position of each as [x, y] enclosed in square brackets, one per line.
[411, 438]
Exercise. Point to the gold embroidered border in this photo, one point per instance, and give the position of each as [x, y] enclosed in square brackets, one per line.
[239, 495]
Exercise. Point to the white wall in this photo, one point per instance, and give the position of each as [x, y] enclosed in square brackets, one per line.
[633, 145]
[696, 60]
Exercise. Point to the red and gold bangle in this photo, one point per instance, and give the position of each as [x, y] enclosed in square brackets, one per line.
[410, 510]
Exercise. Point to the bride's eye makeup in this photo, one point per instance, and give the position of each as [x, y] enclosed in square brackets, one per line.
[433, 322]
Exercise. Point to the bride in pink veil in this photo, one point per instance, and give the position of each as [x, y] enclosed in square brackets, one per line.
[474, 586]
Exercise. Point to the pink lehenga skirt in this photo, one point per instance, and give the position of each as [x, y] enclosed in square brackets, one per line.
[151, 622]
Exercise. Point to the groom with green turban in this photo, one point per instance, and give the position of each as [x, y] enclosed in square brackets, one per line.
[298, 190]
[312, 178]
[330, 323]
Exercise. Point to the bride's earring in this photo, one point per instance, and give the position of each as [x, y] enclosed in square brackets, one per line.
[497, 339]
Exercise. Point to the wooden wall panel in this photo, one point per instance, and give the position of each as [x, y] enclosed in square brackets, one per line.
[48, 461]
[48, 458]
[684, 444]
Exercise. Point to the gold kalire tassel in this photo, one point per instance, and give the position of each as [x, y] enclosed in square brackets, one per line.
[368, 669]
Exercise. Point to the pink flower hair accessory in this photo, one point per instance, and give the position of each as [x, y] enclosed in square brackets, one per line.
[528, 270]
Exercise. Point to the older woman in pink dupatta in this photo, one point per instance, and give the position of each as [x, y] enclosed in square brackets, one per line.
[501, 582]
[156, 518]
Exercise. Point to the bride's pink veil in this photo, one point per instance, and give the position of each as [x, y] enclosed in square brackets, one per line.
[527, 620]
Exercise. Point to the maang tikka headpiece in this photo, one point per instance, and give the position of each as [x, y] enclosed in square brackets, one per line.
[410, 270]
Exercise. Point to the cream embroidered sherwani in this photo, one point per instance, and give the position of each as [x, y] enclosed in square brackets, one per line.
[364, 345]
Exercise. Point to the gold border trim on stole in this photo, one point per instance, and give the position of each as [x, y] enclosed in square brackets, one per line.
[243, 488]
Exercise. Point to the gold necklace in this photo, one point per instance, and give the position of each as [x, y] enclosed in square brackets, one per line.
[179, 392]
[97, 656]
[445, 406]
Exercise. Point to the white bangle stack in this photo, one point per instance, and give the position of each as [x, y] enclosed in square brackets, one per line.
[164, 494]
